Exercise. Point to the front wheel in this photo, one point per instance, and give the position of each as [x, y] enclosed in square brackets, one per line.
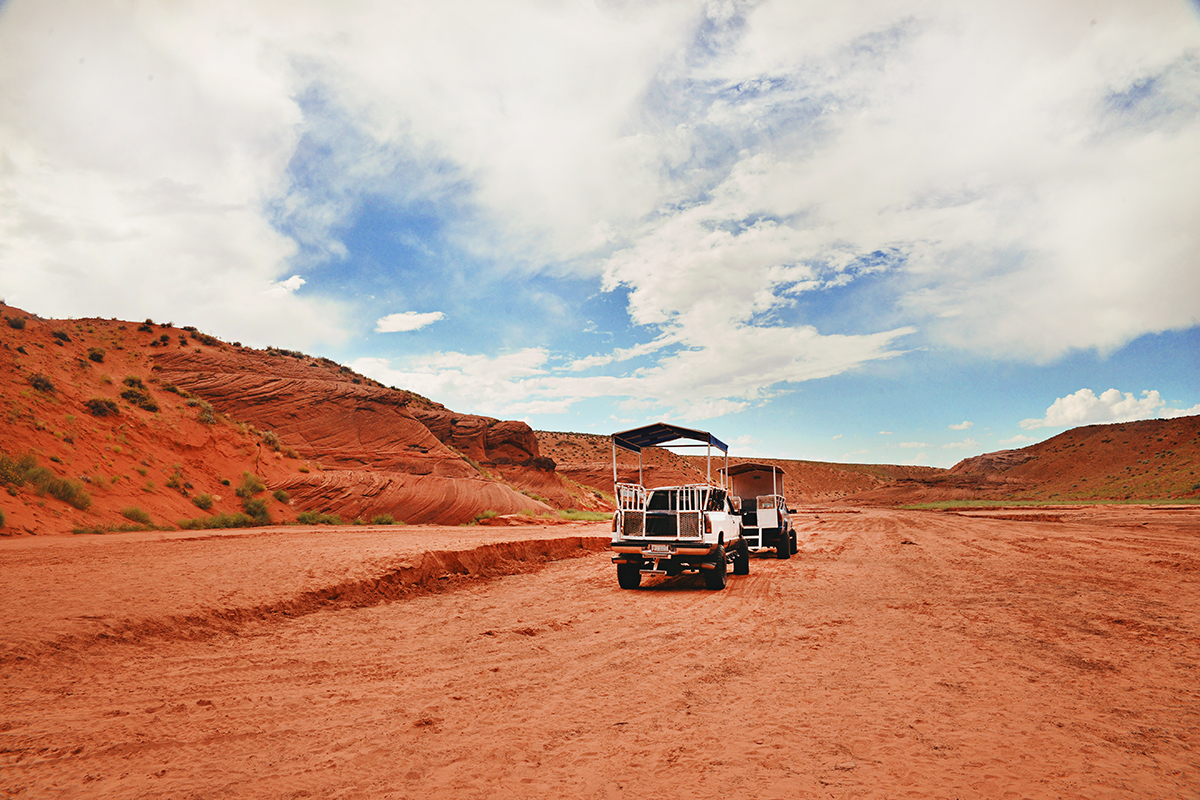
[783, 546]
[629, 575]
[715, 578]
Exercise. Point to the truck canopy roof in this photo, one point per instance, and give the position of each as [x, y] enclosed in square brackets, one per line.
[661, 433]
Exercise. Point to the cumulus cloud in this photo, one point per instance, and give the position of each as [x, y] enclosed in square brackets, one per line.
[962, 426]
[407, 321]
[284, 288]
[964, 444]
[1020, 438]
[462, 380]
[1085, 407]
[1016, 180]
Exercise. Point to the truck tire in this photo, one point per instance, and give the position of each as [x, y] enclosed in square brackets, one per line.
[629, 575]
[715, 578]
[795, 543]
[783, 546]
[741, 561]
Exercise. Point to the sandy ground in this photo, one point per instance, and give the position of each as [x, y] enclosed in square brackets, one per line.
[899, 654]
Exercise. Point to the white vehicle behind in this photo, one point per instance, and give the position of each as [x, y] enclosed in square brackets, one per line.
[758, 493]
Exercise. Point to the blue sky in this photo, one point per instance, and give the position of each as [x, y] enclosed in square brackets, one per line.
[896, 231]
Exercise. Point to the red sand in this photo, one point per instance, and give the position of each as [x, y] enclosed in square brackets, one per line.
[901, 654]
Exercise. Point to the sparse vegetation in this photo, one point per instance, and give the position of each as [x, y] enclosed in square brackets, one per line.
[218, 521]
[270, 439]
[482, 515]
[250, 486]
[16, 322]
[585, 516]
[1, 518]
[25, 470]
[256, 508]
[135, 514]
[203, 501]
[281, 495]
[206, 414]
[96, 354]
[137, 394]
[317, 518]
[384, 519]
[101, 407]
[41, 383]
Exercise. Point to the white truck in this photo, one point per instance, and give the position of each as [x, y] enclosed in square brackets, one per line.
[757, 490]
[670, 530]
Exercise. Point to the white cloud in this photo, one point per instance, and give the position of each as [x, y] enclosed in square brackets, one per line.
[407, 321]
[1085, 407]
[284, 288]
[1014, 179]
[912, 445]
[1019, 439]
[460, 380]
[885, 433]
[962, 426]
[837, 436]
[964, 444]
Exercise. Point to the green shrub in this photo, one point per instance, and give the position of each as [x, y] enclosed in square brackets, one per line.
[250, 486]
[270, 439]
[135, 514]
[100, 407]
[1, 518]
[70, 492]
[96, 354]
[206, 414]
[203, 501]
[384, 519]
[316, 518]
[585, 516]
[217, 521]
[485, 515]
[281, 495]
[137, 394]
[256, 508]
[16, 322]
[61, 336]
[41, 383]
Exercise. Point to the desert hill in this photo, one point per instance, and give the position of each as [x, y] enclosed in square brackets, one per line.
[1146, 460]
[112, 423]
[587, 459]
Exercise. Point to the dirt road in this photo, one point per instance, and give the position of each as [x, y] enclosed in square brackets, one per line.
[900, 654]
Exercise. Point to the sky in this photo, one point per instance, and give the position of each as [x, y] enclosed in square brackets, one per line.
[896, 231]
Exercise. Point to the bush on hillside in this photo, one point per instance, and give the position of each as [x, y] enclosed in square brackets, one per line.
[135, 514]
[250, 486]
[256, 508]
[41, 383]
[100, 407]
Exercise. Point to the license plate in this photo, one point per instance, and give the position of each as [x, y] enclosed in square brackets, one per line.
[659, 548]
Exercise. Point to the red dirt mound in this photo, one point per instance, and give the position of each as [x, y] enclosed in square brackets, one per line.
[197, 413]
